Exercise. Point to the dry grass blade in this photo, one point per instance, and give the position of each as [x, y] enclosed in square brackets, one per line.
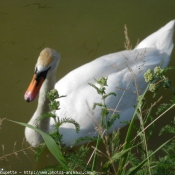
[154, 121]
[26, 154]
[15, 153]
[14, 146]
[127, 43]
[3, 148]
[1, 120]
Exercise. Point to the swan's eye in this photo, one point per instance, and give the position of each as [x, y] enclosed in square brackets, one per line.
[42, 74]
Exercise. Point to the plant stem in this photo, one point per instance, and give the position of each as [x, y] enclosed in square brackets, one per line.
[95, 154]
[103, 118]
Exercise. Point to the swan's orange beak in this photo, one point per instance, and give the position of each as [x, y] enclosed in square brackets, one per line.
[33, 88]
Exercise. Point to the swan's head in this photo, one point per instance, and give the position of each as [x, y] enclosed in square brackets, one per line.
[46, 64]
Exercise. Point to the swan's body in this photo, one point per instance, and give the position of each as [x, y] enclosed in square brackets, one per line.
[124, 70]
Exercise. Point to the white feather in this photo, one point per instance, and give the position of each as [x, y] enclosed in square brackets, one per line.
[125, 72]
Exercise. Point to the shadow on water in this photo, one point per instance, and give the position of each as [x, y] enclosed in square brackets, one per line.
[80, 31]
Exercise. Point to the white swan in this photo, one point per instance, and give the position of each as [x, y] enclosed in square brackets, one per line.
[124, 70]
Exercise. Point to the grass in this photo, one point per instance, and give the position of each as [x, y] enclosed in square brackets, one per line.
[120, 158]
[131, 157]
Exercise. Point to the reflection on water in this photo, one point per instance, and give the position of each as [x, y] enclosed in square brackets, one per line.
[80, 31]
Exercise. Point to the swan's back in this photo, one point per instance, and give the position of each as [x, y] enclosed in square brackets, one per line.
[125, 72]
[161, 39]
[158, 45]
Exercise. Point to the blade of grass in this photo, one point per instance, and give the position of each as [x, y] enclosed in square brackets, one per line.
[133, 171]
[128, 138]
[52, 146]
[117, 156]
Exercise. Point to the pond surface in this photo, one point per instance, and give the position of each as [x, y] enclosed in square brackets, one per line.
[80, 31]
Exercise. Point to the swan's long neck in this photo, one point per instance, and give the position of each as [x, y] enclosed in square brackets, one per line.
[43, 103]
[33, 137]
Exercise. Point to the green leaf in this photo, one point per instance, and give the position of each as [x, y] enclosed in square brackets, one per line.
[117, 156]
[69, 120]
[133, 171]
[112, 119]
[109, 94]
[128, 137]
[104, 112]
[39, 151]
[84, 139]
[46, 115]
[97, 104]
[52, 95]
[54, 105]
[50, 143]
[102, 81]
[95, 87]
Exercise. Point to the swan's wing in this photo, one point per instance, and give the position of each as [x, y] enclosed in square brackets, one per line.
[107, 65]
[162, 39]
[125, 72]
[125, 78]
[159, 45]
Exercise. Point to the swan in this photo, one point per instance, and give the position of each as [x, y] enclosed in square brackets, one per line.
[124, 69]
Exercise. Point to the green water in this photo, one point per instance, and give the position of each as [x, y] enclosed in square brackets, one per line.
[80, 31]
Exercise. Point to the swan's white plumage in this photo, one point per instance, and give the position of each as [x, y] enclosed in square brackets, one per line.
[124, 70]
